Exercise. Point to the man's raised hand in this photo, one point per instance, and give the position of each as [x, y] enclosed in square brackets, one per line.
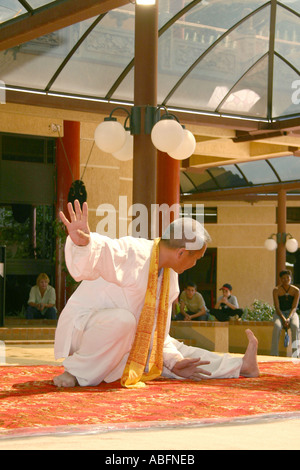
[77, 226]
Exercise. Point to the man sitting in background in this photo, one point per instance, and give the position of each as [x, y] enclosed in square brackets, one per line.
[192, 304]
[227, 305]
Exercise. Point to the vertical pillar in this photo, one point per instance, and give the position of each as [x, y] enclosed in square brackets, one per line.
[281, 229]
[68, 169]
[2, 284]
[145, 93]
[168, 184]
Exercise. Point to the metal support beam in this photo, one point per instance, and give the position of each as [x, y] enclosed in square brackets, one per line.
[51, 18]
[281, 228]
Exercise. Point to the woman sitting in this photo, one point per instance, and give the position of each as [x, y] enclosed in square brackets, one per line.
[42, 300]
[286, 299]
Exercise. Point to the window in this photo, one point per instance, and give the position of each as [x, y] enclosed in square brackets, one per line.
[293, 215]
[27, 149]
[210, 213]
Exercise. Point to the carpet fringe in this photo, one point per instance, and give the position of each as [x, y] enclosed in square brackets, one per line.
[145, 425]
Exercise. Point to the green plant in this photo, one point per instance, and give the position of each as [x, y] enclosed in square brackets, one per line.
[259, 311]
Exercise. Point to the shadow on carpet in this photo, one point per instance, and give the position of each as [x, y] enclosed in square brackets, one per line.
[31, 405]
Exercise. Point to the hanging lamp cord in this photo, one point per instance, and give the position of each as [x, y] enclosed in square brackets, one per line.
[87, 161]
[66, 156]
[65, 153]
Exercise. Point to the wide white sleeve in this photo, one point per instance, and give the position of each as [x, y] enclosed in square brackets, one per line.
[171, 354]
[102, 257]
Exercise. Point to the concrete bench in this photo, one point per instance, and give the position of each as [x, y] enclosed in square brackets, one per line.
[228, 336]
[210, 335]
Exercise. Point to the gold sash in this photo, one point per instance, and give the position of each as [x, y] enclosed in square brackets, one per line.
[133, 374]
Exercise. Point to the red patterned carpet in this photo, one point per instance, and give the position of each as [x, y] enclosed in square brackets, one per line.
[30, 404]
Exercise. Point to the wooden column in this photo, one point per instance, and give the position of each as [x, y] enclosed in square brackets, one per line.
[281, 229]
[145, 93]
[68, 169]
[168, 183]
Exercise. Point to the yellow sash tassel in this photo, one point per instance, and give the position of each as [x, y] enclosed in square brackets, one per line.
[133, 374]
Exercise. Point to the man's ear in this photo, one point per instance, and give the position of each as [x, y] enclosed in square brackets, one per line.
[180, 252]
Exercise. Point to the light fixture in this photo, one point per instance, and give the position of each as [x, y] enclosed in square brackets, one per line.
[291, 243]
[167, 134]
[186, 148]
[271, 244]
[126, 152]
[110, 135]
[145, 2]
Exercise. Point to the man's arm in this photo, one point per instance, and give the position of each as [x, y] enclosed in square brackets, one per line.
[219, 301]
[90, 256]
[230, 304]
[294, 305]
[182, 310]
[201, 307]
[200, 313]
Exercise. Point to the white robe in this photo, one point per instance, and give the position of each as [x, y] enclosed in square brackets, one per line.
[96, 329]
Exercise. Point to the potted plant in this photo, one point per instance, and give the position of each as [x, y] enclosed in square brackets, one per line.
[259, 311]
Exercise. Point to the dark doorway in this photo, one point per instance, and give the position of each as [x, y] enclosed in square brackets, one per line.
[27, 212]
[30, 250]
[204, 275]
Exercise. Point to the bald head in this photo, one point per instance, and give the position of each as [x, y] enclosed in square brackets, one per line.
[187, 233]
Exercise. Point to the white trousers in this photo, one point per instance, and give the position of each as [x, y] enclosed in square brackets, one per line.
[99, 352]
[221, 366]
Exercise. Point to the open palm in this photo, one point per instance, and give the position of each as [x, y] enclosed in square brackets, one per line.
[189, 368]
[77, 226]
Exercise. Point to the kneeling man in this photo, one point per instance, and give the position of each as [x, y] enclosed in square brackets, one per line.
[116, 324]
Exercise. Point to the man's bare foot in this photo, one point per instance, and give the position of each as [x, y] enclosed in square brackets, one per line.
[65, 380]
[250, 366]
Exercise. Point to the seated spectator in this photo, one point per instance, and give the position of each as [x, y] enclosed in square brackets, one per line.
[192, 305]
[286, 299]
[227, 305]
[42, 300]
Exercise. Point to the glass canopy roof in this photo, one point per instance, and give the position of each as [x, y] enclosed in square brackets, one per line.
[273, 171]
[227, 57]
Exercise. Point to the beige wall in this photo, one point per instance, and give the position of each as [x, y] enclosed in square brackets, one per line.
[239, 235]
[242, 259]
[104, 176]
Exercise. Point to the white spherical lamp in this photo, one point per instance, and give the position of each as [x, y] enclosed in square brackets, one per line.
[110, 135]
[270, 244]
[291, 245]
[126, 152]
[186, 148]
[167, 135]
